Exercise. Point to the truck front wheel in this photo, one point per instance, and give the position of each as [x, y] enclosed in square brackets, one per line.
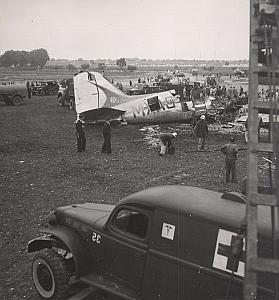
[17, 100]
[72, 103]
[50, 275]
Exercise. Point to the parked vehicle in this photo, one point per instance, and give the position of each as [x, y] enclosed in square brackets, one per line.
[13, 93]
[210, 81]
[66, 93]
[168, 242]
[38, 88]
[138, 89]
[51, 88]
[194, 72]
[198, 100]
[41, 88]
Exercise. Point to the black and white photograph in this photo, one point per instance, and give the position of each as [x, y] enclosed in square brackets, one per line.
[139, 150]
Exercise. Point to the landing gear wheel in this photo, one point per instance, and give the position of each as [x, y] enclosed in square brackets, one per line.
[50, 275]
[72, 103]
[17, 100]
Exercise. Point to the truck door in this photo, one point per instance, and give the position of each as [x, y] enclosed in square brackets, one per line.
[126, 244]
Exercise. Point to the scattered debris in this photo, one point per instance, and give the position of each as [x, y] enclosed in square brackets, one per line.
[151, 135]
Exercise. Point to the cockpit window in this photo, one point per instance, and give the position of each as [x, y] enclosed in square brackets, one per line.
[131, 222]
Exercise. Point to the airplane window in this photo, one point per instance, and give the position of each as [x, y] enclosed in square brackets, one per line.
[153, 103]
[132, 222]
[170, 102]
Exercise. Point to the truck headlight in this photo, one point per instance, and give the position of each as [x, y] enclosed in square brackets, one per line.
[50, 220]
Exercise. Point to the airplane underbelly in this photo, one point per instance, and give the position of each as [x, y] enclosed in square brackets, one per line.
[160, 117]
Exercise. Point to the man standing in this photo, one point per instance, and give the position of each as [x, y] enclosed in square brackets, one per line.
[107, 138]
[201, 131]
[193, 122]
[80, 135]
[230, 150]
[166, 143]
[29, 90]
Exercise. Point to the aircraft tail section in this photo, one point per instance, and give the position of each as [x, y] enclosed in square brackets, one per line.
[93, 92]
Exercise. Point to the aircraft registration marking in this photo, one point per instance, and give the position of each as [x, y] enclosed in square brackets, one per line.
[223, 258]
[168, 231]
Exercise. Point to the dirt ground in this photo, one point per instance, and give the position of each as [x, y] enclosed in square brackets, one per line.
[41, 170]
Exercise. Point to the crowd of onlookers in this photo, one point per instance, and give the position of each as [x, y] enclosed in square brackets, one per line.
[214, 90]
[222, 91]
[269, 94]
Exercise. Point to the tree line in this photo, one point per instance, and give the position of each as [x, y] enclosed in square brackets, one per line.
[34, 58]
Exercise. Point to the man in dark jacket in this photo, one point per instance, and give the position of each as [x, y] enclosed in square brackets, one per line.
[166, 142]
[107, 138]
[230, 150]
[193, 123]
[201, 131]
[80, 135]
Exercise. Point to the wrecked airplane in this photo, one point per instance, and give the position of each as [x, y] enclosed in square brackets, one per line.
[96, 99]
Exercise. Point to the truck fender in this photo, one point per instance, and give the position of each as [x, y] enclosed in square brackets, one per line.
[75, 244]
[39, 243]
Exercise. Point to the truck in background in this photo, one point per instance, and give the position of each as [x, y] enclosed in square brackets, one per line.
[13, 93]
[66, 93]
[42, 88]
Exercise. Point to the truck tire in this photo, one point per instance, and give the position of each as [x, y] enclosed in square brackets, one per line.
[17, 100]
[50, 275]
[72, 103]
[8, 101]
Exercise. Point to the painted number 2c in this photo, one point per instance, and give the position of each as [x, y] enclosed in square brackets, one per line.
[96, 238]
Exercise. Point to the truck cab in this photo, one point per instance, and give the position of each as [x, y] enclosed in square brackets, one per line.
[166, 242]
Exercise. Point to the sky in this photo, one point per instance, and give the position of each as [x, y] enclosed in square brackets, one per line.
[151, 29]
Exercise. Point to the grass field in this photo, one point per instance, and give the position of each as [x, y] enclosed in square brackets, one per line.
[41, 170]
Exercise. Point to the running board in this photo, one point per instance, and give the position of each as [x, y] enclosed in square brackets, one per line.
[106, 284]
[83, 294]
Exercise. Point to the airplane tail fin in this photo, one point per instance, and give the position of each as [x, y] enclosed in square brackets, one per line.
[96, 94]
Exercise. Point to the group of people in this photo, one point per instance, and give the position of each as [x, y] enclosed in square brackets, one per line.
[269, 94]
[200, 130]
[221, 91]
[81, 139]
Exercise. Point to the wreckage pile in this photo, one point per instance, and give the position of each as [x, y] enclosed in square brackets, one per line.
[225, 110]
[228, 115]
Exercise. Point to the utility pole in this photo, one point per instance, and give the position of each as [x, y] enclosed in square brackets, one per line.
[263, 68]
